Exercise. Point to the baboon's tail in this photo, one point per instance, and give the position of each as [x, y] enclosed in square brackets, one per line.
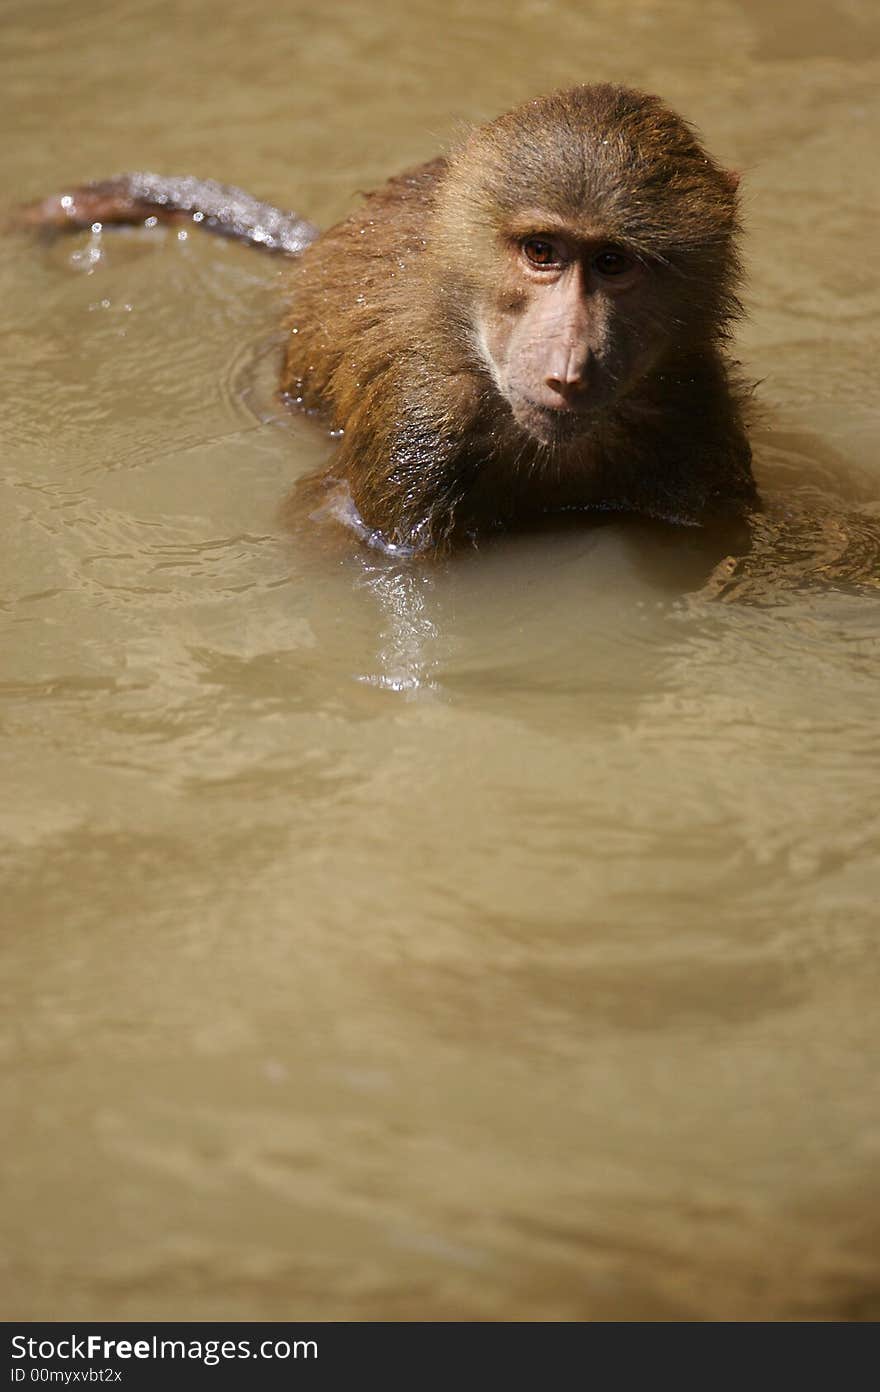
[136, 198]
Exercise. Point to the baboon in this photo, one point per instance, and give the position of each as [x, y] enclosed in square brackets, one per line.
[536, 324]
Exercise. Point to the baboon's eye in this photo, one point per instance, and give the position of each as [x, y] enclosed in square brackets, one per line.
[541, 252]
[611, 261]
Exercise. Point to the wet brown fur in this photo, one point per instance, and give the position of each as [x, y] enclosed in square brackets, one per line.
[386, 306]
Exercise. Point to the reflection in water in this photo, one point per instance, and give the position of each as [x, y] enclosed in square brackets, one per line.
[807, 536]
[494, 939]
[800, 543]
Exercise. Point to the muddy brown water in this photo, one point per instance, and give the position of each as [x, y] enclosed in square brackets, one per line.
[497, 940]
